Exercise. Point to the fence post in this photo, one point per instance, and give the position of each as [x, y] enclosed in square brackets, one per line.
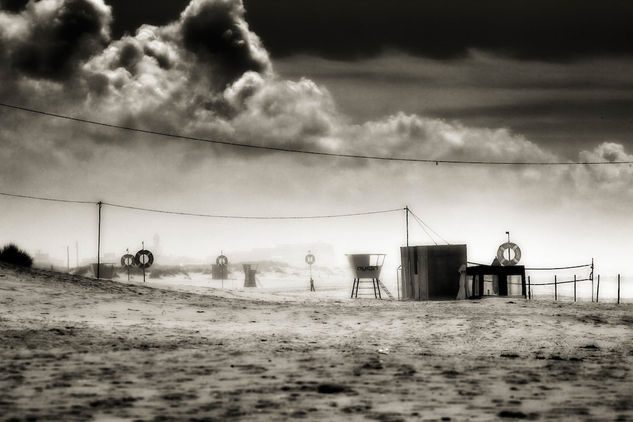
[598, 290]
[618, 288]
[529, 289]
[574, 287]
[592, 269]
[555, 289]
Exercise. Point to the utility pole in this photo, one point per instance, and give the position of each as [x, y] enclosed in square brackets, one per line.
[406, 272]
[406, 209]
[99, 242]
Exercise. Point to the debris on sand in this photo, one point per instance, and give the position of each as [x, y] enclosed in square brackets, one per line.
[332, 388]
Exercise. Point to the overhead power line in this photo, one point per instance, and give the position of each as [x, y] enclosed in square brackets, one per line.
[310, 152]
[190, 214]
[422, 224]
[39, 198]
[247, 217]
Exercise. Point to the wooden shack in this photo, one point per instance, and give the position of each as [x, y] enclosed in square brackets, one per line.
[431, 272]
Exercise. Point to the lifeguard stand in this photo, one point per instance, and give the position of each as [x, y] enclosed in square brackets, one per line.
[249, 276]
[366, 268]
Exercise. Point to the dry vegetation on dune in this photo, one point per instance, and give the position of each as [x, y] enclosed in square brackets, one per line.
[11, 254]
[73, 348]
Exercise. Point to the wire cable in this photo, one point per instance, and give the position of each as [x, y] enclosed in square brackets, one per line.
[425, 231]
[248, 217]
[558, 268]
[311, 152]
[238, 217]
[560, 282]
[429, 227]
[39, 198]
[542, 268]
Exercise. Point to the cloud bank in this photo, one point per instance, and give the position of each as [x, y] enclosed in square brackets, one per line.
[206, 74]
[445, 30]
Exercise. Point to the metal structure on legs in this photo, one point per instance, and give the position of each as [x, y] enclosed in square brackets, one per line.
[366, 268]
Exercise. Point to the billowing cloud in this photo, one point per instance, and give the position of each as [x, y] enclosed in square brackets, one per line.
[218, 34]
[615, 179]
[49, 39]
[206, 74]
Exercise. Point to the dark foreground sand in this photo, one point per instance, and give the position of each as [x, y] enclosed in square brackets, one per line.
[72, 348]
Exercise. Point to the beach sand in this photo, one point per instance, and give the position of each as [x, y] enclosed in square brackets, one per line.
[74, 348]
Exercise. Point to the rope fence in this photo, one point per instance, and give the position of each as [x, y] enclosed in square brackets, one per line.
[611, 288]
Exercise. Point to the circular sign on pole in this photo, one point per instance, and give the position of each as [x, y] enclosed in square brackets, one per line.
[127, 260]
[509, 260]
[222, 260]
[310, 259]
[144, 258]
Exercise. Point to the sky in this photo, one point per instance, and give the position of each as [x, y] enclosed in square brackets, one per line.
[450, 80]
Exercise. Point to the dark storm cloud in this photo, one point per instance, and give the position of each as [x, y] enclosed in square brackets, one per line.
[53, 41]
[205, 74]
[13, 5]
[560, 106]
[130, 14]
[536, 30]
[214, 31]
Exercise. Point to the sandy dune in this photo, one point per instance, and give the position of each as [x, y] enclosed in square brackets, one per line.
[74, 348]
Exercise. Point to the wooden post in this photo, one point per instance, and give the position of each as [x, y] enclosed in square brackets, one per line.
[99, 242]
[408, 271]
[598, 290]
[592, 268]
[143, 246]
[618, 288]
[68, 258]
[555, 289]
[529, 288]
[574, 287]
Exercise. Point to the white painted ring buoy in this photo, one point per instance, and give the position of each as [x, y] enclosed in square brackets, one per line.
[127, 260]
[144, 258]
[222, 260]
[310, 259]
[501, 254]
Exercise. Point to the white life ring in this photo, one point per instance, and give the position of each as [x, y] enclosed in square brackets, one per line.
[310, 259]
[501, 254]
[144, 259]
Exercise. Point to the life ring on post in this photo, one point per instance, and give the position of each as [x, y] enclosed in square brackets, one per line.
[501, 254]
[127, 260]
[221, 260]
[310, 259]
[144, 262]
